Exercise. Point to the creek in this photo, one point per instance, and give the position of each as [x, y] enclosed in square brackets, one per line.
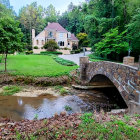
[46, 105]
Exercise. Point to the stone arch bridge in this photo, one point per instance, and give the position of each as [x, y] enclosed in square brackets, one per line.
[124, 77]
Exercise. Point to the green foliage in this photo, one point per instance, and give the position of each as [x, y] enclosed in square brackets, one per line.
[31, 17]
[18, 136]
[73, 20]
[63, 91]
[36, 117]
[58, 87]
[127, 118]
[10, 34]
[51, 46]
[48, 53]
[51, 14]
[133, 33]
[28, 52]
[10, 90]
[63, 61]
[112, 45]
[36, 66]
[36, 47]
[89, 126]
[83, 39]
[87, 118]
[68, 108]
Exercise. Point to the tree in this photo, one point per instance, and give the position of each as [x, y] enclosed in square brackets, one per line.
[64, 20]
[6, 3]
[31, 17]
[112, 45]
[83, 40]
[51, 14]
[10, 37]
[51, 46]
[133, 33]
[71, 6]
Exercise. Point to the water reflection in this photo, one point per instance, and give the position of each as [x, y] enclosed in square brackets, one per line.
[46, 106]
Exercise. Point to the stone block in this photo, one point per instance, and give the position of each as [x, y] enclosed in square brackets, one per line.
[133, 107]
[138, 73]
[128, 60]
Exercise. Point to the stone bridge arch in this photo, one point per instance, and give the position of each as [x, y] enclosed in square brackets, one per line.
[125, 78]
[101, 79]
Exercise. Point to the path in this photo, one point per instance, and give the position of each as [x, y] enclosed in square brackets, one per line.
[74, 57]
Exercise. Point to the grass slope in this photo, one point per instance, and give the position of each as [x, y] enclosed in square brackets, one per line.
[36, 66]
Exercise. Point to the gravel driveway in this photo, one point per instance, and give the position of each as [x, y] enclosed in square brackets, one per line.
[74, 57]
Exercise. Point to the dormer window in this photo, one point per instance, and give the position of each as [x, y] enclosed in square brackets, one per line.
[50, 34]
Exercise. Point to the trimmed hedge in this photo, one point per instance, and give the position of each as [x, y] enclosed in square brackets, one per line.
[35, 47]
[93, 56]
[47, 52]
[28, 52]
[63, 61]
[76, 51]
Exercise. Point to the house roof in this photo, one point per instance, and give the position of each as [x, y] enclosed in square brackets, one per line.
[74, 38]
[56, 26]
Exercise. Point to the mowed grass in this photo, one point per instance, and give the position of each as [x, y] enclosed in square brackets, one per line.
[36, 66]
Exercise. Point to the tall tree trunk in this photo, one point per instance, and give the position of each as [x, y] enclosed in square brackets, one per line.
[6, 62]
[125, 12]
[2, 58]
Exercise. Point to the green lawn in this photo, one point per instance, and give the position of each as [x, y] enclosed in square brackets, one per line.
[36, 65]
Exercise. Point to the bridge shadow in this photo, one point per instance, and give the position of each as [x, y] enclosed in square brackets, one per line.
[110, 90]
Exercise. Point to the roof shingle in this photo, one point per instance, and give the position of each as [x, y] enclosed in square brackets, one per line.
[56, 26]
[73, 37]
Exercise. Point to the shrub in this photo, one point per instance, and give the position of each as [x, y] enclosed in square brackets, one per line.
[28, 47]
[51, 46]
[47, 53]
[28, 52]
[72, 52]
[66, 48]
[113, 46]
[75, 51]
[74, 47]
[64, 62]
[35, 47]
[83, 39]
[94, 56]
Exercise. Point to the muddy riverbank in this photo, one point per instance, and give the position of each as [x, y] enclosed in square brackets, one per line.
[45, 102]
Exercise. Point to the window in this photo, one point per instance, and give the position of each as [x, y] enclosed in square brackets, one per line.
[37, 42]
[50, 34]
[42, 42]
[68, 43]
[61, 36]
[61, 43]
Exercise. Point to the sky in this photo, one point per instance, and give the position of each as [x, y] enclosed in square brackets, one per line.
[60, 5]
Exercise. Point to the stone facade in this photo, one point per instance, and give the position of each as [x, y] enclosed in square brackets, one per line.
[125, 78]
[54, 31]
[129, 61]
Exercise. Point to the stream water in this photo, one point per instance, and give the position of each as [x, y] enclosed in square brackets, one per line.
[47, 105]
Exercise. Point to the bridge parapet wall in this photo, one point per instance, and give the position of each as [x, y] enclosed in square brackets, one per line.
[125, 78]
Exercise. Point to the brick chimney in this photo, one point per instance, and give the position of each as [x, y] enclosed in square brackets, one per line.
[33, 34]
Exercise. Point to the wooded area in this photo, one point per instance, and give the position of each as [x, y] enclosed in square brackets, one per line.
[112, 26]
